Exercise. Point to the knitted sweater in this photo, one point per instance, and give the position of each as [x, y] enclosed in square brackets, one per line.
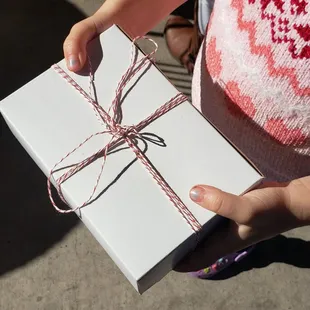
[252, 81]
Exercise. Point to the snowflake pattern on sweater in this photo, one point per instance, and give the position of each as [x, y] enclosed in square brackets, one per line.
[258, 51]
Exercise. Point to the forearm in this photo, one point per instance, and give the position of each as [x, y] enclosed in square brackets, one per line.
[136, 17]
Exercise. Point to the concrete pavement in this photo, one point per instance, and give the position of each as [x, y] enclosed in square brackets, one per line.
[51, 262]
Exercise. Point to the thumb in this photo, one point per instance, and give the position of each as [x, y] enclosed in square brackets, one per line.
[81, 33]
[236, 208]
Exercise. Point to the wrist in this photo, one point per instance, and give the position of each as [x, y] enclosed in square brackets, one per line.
[298, 199]
[107, 15]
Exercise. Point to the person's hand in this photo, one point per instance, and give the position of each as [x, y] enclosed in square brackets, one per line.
[256, 216]
[110, 13]
[81, 33]
[135, 17]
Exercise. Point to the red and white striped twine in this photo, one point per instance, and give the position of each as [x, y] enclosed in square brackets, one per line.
[119, 133]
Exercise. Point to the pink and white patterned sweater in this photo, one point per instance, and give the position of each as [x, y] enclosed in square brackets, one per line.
[252, 81]
[252, 77]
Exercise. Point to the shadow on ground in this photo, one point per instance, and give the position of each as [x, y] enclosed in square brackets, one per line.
[291, 251]
[31, 33]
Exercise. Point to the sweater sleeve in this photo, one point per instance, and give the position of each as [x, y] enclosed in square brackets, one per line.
[143, 15]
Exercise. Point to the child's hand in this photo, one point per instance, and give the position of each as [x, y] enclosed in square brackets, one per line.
[135, 17]
[111, 12]
[258, 215]
[80, 34]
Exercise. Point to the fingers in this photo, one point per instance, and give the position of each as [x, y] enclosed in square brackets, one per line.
[80, 34]
[236, 208]
[75, 44]
[256, 216]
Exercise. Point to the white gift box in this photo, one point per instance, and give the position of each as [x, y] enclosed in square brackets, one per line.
[131, 217]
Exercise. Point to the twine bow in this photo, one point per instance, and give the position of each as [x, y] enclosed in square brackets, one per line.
[119, 133]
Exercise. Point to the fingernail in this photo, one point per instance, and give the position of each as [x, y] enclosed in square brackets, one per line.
[197, 193]
[72, 62]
